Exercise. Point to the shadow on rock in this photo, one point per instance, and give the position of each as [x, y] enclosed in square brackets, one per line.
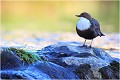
[84, 72]
[111, 71]
[9, 60]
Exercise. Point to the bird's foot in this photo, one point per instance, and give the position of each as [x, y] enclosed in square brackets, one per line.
[84, 45]
[90, 46]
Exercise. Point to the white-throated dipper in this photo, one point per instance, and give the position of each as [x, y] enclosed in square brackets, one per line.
[87, 27]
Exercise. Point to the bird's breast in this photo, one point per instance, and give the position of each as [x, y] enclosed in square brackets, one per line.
[83, 24]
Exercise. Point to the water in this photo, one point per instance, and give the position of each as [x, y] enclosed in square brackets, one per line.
[36, 41]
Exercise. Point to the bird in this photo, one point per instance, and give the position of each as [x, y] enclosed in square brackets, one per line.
[88, 27]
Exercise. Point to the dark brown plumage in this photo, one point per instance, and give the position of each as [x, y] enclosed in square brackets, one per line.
[92, 32]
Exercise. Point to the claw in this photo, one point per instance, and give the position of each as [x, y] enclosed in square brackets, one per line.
[90, 46]
[84, 45]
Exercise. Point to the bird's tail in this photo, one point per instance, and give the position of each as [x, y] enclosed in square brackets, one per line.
[102, 34]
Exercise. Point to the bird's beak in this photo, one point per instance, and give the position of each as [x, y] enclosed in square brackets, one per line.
[77, 15]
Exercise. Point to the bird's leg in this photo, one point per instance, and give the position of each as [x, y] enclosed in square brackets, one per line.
[91, 43]
[84, 43]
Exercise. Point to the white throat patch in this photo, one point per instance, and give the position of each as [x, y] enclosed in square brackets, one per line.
[83, 24]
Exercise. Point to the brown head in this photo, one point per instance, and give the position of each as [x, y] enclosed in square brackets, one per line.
[85, 15]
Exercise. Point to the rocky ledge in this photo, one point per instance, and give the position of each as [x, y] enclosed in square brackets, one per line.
[64, 60]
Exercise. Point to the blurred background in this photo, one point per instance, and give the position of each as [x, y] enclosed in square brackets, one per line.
[57, 16]
[33, 25]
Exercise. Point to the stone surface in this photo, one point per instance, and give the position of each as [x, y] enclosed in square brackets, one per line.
[9, 60]
[72, 54]
[64, 60]
[111, 71]
[84, 72]
[40, 70]
[55, 71]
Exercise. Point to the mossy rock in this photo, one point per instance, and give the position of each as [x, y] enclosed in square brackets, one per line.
[9, 60]
[24, 56]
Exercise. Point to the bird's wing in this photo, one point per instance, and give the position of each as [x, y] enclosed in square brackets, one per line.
[95, 24]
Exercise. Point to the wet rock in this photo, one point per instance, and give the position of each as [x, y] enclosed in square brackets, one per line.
[83, 61]
[84, 72]
[64, 60]
[72, 54]
[111, 71]
[12, 75]
[102, 54]
[55, 71]
[40, 70]
[23, 74]
[107, 73]
[115, 64]
[59, 62]
[9, 60]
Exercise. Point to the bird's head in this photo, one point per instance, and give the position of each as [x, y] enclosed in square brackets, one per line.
[85, 15]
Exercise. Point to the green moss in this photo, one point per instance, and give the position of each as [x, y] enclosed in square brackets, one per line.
[25, 56]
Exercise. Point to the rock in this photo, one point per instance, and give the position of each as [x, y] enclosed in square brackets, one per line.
[115, 64]
[55, 71]
[59, 62]
[73, 57]
[24, 74]
[40, 70]
[10, 74]
[111, 71]
[108, 73]
[84, 72]
[9, 60]
[72, 54]
[64, 60]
